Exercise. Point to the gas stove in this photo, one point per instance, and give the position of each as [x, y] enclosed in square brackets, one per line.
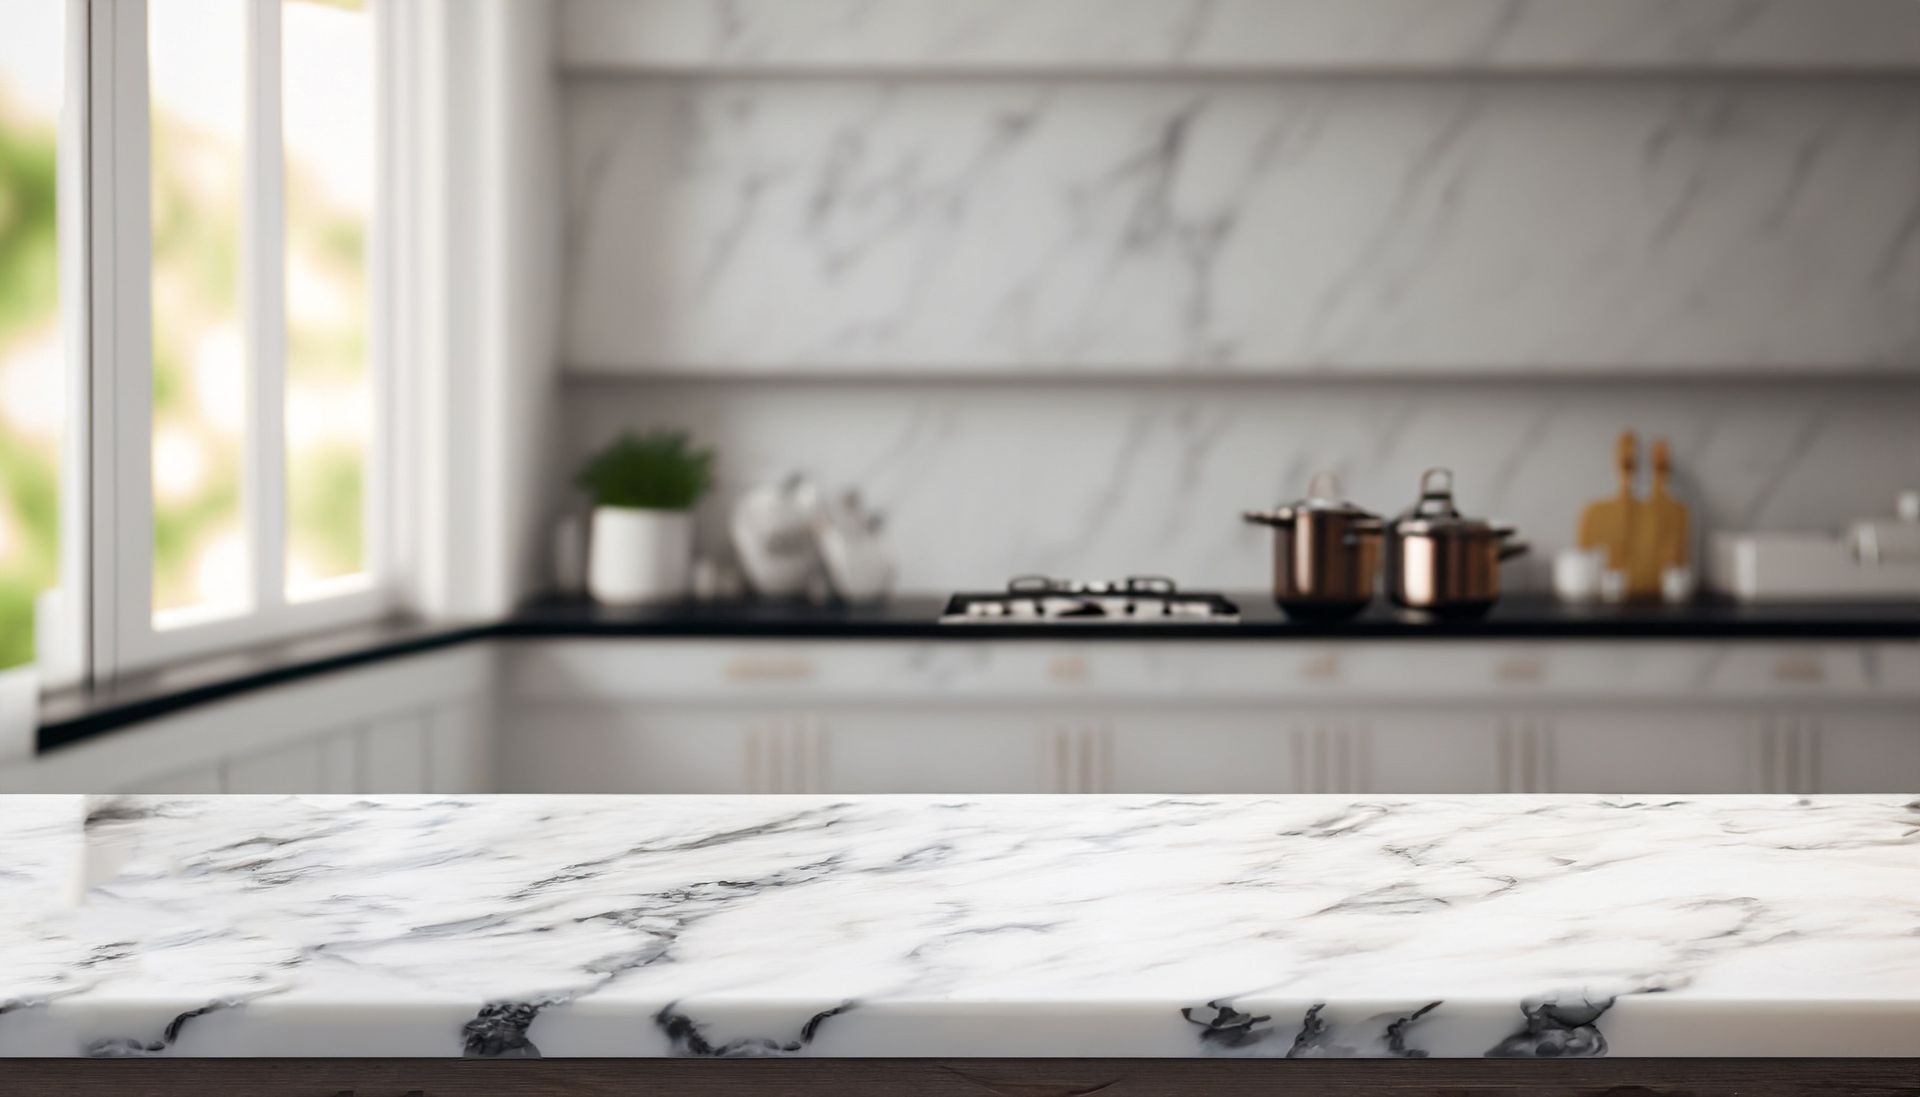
[1145, 600]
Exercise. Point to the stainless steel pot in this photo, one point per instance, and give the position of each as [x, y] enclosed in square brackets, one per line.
[1326, 553]
[1441, 561]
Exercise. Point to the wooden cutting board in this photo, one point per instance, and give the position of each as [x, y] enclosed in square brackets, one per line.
[1640, 537]
[1671, 541]
[1607, 525]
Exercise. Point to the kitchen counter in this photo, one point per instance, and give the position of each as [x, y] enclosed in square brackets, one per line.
[1515, 616]
[79, 714]
[1312, 926]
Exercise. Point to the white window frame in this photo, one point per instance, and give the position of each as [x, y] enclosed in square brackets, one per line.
[62, 612]
[122, 630]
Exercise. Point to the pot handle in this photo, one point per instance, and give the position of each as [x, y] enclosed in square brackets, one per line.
[1363, 530]
[1511, 549]
[1279, 519]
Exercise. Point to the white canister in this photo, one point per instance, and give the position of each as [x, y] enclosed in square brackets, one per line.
[19, 712]
[639, 555]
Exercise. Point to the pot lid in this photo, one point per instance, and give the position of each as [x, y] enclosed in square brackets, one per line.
[1323, 497]
[1436, 514]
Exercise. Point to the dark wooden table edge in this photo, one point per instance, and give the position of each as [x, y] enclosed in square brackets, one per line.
[822, 1077]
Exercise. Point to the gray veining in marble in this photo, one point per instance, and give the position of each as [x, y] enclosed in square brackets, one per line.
[1313, 227]
[510, 927]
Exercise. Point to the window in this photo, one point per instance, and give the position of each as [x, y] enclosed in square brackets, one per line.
[235, 225]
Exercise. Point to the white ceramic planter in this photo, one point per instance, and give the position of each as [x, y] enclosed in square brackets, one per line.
[19, 712]
[639, 555]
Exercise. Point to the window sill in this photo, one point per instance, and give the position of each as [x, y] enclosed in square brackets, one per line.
[70, 715]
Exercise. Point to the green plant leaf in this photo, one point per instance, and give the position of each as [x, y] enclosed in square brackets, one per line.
[657, 471]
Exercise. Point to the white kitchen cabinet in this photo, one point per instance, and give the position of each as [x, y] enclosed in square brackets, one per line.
[717, 716]
[1867, 750]
[679, 747]
[298, 767]
[340, 761]
[1209, 717]
[953, 750]
[460, 747]
[393, 754]
[1650, 749]
[592, 747]
[1188, 752]
[187, 782]
[319, 735]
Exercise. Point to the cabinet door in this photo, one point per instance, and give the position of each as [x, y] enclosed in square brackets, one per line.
[1206, 750]
[1864, 750]
[776, 749]
[296, 767]
[393, 754]
[1650, 749]
[1276, 749]
[1442, 750]
[968, 749]
[185, 782]
[628, 748]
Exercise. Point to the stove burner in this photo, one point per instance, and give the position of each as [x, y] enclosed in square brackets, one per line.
[1138, 600]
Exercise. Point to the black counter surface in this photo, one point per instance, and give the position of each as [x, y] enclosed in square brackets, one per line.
[75, 715]
[1515, 616]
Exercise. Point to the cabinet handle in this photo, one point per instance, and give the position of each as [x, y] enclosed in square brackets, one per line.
[1068, 669]
[1324, 667]
[1799, 668]
[1521, 669]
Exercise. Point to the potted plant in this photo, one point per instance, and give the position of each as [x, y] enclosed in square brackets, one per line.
[644, 488]
[19, 678]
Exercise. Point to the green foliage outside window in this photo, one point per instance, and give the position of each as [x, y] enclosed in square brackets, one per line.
[29, 308]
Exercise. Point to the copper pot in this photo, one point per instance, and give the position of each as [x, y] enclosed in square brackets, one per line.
[1326, 553]
[1441, 561]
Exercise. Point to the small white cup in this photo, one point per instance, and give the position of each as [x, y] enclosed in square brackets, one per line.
[1677, 584]
[1577, 573]
[1613, 585]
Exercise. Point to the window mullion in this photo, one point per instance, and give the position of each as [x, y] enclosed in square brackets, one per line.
[382, 498]
[120, 388]
[265, 306]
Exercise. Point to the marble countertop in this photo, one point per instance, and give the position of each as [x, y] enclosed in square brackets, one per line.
[515, 926]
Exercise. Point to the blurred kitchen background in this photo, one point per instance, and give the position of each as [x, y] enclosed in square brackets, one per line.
[1059, 287]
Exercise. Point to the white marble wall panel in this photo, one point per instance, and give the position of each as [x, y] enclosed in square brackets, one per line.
[1002, 35]
[1345, 227]
[984, 481]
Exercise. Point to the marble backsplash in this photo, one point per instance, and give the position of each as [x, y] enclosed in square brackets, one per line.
[1396, 226]
[1068, 302]
[983, 480]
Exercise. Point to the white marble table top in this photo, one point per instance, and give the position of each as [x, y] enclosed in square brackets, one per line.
[959, 926]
